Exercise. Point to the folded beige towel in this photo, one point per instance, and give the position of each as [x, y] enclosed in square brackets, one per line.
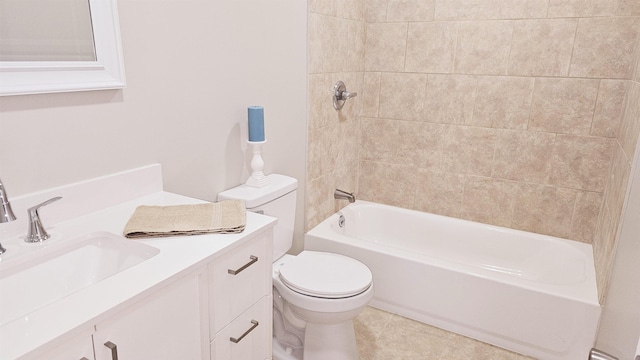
[223, 217]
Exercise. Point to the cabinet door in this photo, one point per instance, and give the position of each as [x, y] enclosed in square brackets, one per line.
[164, 326]
[251, 334]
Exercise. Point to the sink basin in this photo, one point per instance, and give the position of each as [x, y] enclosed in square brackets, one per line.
[49, 274]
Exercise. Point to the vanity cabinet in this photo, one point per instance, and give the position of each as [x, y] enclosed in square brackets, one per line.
[220, 311]
[165, 325]
[240, 302]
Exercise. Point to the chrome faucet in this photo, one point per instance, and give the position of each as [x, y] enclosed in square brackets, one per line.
[6, 213]
[36, 232]
[341, 194]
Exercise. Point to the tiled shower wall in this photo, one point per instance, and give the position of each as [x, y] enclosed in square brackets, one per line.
[505, 112]
[336, 52]
[608, 228]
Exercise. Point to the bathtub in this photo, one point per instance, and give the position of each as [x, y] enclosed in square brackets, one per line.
[529, 293]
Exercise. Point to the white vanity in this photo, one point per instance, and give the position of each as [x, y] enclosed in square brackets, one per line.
[198, 297]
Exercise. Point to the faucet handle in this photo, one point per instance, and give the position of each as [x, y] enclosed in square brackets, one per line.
[340, 95]
[36, 232]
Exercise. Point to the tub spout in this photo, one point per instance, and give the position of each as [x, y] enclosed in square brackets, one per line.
[341, 194]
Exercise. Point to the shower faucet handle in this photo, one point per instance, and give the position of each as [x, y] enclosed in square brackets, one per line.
[340, 95]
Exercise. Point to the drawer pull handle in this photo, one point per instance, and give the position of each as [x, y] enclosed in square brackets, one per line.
[255, 324]
[114, 350]
[84, 358]
[251, 262]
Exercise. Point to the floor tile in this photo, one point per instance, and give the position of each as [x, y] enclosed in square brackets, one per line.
[385, 336]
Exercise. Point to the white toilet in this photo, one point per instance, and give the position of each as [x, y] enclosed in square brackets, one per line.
[316, 295]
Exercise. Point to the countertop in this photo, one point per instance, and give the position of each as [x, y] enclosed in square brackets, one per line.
[80, 311]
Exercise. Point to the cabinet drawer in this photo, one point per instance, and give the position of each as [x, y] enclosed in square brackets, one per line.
[231, 294]
[251, 331]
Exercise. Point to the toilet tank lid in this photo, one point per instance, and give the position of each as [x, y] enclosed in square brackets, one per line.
[279, 185]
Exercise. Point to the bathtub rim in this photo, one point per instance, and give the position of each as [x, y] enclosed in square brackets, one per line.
[584, 292]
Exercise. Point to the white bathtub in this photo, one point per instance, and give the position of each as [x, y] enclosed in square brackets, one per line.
[533, 294]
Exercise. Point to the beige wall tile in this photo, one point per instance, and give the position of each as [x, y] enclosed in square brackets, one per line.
[503, 102]
[421, 144]
[317, 41]
[490, 9]
[630, 126]
[323, 7]
[379, 139]
[593, 8]
[603, 246]
[488, 201]
[349, 150]
[387, 183]
[450, 99]
[544, 210]
[563, 105]
[604, 47]
[585, 216]
[319, 198]
[401, 95]
[385, 46]
[439, 192]
[350, 9]
[609, 108]
[431, 47]
[523, 156]
[376, 10]
[410, 10]
[468, 150]
[635, 65]
[321, 111]
[581, 162]
[483, 47]
[335, 44]
[581, 8]
[627, 7]
[542, 47]
[616, 188]
[609, 219]
[323, 148]
[370, 96]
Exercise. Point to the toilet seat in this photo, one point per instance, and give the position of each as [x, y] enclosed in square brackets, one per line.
[325, 275]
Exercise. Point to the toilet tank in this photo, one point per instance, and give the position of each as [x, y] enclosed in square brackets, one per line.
[278, 199]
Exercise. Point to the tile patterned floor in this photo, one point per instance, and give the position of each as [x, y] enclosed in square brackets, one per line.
[385, 336]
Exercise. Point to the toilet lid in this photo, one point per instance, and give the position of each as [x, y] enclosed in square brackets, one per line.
[326, 275]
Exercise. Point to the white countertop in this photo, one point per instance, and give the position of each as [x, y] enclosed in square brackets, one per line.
[78, 312]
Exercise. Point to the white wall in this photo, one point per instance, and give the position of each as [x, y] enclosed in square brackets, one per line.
[192, 69]
[620, 322]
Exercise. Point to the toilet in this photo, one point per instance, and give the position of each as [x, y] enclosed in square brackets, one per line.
[316, 295]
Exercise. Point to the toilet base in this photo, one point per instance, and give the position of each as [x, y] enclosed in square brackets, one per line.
[330, 341]
[280, 352]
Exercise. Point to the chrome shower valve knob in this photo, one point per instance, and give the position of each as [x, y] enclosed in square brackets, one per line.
[340, 95]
